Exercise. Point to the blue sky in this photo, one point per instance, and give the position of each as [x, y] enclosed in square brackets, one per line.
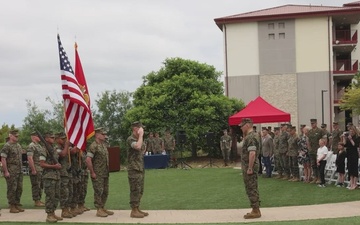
[119, 42]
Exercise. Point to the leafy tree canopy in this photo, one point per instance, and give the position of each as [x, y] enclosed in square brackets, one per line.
[351, 98]
[183, 95]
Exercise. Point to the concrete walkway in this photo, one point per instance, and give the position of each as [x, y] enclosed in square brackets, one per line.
[335, 210]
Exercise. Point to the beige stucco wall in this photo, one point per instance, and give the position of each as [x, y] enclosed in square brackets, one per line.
[242, 49]
[281, 92]
[312, 49]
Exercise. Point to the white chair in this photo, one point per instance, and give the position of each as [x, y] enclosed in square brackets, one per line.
[330, 169]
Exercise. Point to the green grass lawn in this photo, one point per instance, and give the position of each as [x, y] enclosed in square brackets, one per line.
[209, 188]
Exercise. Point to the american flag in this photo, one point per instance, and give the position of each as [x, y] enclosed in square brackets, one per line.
[78, 119]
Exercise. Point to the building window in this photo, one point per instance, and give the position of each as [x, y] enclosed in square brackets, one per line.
[271, 36]
[281, 35]
[271, 26]
[282, 25]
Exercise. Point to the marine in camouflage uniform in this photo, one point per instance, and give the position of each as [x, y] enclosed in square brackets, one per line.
[283, 148]
[225, 146]
[149, 143]
[136, 172]
[293, 153]
[250, 165]
[158, 144]
[169, 142]
[335, 137]
[97, 160]
[315, 134]
[75, 180]
[33, 152]
[84, 180]
[327, 135]
[277, 152]
[11, 159]
[65, 178]
[51, 179]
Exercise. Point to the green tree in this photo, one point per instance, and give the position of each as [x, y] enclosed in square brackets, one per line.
[4, 133]
[41, 119]
[183, 95]
[111, 109]
[351, 99]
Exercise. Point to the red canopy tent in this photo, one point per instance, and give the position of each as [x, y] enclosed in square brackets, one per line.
[260, 111]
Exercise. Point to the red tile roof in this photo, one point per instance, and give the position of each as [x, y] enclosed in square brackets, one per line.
[288, 12]
[357, 3]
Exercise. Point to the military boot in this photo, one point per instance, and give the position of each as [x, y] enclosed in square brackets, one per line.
[13, 209]
[135, 213]
[74, 211]
[73, 214]
[38, 203]
[57, 217]
[18, 207]
[110, 213]
[50, 218]
[65, 213]
[142, 212]
[255, 213]
[101, 213]
[83, 207]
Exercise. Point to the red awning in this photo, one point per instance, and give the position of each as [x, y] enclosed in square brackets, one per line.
[260, 111]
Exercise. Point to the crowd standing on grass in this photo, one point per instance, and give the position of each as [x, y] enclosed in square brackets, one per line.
[312, 148]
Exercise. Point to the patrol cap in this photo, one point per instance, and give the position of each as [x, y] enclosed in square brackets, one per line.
[276, 128]
[313, 120]
[323, 125]
[263, 128]
[293, 127]
[49, 134]
[60, 135]
[33, 133]
[269, 127]
[100, 130]
[302, 125]
[137, 124]
[14, 132]
[335, 123]
[283, 124]
[245, 121]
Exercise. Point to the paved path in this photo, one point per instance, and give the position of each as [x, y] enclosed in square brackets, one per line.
[334, 210]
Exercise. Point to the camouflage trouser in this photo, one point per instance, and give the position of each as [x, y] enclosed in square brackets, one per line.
[83, 188]
[101, 191]
[314, 165]
[294, 166]
[52, 192]
[284, 162]
[251, 188]
[36, 186]
[136, 182]
[14, 188]
[278, 167]
[226, 154]
[65, 190]
[75, 191]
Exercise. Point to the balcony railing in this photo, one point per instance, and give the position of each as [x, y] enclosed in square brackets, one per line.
[345, 37]
[346, 66]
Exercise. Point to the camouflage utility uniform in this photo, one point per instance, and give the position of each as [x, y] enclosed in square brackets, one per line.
[283, 148]
[225, 146]
[251, 143]
[13, 154]
[136, 172]
[315, 134]
[100, 161]
[65, 180]
[293, 156]
[51, 180]
[34, 150]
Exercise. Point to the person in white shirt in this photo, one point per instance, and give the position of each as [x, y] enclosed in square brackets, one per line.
[321, 160]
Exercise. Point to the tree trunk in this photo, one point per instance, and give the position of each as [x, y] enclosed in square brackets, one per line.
[193, 149]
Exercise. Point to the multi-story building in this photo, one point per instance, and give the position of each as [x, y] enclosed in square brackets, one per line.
[299, 58]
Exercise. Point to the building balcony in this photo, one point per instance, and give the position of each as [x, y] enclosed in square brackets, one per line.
[346, 66]
[345, 37]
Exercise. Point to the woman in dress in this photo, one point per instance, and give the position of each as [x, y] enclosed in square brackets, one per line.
[304, 158]
[351, 141]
